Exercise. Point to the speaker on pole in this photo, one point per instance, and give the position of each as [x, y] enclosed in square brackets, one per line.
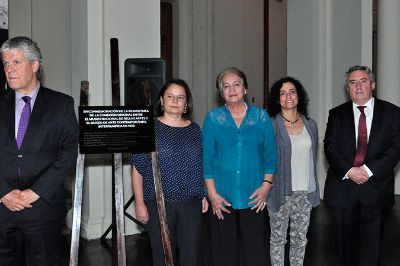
[144, 78]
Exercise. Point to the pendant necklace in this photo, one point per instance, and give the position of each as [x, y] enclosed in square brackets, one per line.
[291, 122]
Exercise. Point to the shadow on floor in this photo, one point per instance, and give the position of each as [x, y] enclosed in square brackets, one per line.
[319, 248]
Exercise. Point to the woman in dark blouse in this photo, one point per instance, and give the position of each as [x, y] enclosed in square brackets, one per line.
[179, 146]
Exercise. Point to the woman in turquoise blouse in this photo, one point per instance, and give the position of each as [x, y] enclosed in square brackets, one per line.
[239, 162]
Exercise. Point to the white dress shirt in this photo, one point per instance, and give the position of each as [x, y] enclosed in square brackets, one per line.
[369, 113]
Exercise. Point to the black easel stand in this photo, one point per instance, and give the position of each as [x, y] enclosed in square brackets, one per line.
[126, 206]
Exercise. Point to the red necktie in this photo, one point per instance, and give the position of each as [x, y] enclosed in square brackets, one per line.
[362, 138]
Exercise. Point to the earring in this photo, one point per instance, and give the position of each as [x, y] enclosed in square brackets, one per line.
[184, 110]
[162, 107]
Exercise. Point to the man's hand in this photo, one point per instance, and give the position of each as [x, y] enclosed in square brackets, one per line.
[14, 202]
[29, 196]
[358, 175]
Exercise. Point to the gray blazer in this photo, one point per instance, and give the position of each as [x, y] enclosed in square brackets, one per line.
[283, 178]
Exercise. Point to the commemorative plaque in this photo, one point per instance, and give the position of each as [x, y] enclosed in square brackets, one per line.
[116, 129]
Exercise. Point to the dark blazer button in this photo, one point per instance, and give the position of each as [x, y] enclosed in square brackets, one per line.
[19, 156]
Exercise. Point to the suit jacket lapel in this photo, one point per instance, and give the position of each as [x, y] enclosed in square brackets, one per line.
[9, 115]
[348, 123]
[376, 124]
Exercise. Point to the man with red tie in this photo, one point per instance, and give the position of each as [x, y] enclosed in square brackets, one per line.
[38, 149]
[362, 146]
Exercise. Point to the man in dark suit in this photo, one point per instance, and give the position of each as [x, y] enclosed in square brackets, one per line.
[38, 149]
[362, 146]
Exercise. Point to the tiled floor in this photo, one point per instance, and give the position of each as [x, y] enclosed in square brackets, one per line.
[318, 253]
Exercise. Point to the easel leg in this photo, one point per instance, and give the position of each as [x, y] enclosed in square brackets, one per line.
[119, 249]
[77, 209]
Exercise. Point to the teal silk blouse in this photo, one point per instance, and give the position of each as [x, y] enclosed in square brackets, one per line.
[237, 158]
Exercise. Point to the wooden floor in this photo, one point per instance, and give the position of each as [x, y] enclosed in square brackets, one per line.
[319, 248]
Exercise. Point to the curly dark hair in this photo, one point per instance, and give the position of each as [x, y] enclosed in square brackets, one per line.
[274, 106]
[189, 101]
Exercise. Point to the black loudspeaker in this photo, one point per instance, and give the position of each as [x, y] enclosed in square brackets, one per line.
[144, 78]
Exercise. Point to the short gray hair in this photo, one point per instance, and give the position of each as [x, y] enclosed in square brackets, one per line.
[28, 46]
[230, 70]
[362, 68]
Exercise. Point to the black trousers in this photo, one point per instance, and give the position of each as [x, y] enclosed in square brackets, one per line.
[31, 243]
[241, 238]
[184, 224]
[357, 231]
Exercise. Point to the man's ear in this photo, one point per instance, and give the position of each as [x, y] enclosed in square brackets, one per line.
[35, 66]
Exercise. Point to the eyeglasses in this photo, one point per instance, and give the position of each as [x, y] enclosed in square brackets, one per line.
[173, 98]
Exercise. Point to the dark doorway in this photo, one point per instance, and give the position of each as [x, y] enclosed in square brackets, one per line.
[166, 36]
[266, 52]
[3, 37]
